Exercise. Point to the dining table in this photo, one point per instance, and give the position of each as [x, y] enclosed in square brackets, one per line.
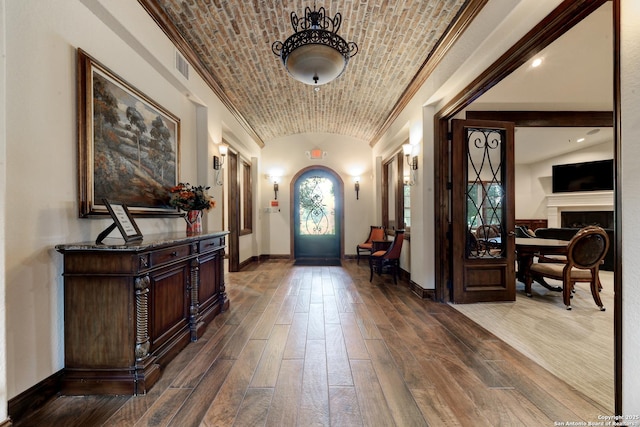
[527, 248]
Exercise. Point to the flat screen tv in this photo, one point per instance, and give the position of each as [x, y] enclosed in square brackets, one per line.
[585, 176]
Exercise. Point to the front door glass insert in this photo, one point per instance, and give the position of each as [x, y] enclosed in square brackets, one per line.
[317, 207]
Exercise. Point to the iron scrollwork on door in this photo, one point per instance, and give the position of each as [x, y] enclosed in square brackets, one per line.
[317, 210]
[485, 193]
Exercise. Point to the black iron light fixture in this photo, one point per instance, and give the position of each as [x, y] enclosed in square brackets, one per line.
[219, 161]
[412, 162]
[315, 54]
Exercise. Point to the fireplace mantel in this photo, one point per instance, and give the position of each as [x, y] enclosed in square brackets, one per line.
[578, 201]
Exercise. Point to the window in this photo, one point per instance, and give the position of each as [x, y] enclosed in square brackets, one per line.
[407, 206]
[484, 204]
[396, 199]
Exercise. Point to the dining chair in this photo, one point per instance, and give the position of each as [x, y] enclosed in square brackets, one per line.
[522, 231]
[388, 259]
[488, 236]
[377, 232]
[585, 254]
[487, 231]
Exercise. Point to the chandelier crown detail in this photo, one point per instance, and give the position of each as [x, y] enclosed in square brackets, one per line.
[315, 54]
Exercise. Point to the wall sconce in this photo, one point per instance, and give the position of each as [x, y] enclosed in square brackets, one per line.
[412, 161]
[357, 180]
[276, 180]
[219, 161]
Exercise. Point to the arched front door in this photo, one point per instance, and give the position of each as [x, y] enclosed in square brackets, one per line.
[317, 217]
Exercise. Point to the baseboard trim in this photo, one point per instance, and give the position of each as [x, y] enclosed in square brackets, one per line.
[34, 397]
[246, 262]
[429, 294]
[266, 257]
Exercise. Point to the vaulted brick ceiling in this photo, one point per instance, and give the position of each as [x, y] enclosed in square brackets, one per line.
[230, 41]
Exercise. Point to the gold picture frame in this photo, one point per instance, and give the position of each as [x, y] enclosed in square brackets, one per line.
[128, 145]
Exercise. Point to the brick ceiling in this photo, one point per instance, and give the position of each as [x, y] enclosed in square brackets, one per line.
[230, 44]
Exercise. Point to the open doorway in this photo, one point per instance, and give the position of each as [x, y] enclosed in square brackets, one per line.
[537, 41]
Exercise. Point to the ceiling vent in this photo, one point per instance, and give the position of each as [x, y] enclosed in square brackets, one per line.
[182, 65]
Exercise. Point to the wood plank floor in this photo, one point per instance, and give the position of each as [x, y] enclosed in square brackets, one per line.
[542, 329]
[303, 346]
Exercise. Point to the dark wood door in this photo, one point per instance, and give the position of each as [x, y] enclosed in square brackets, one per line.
[482, 211]
[234, 213]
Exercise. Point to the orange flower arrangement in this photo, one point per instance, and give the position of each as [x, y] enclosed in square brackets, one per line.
[190, 198]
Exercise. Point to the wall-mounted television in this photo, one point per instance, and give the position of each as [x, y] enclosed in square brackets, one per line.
[585, 176]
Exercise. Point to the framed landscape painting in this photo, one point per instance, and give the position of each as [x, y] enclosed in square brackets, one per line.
[128, 145]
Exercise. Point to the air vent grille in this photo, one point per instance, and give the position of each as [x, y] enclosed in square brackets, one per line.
[182, 65]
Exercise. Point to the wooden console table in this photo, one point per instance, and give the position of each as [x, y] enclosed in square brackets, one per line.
[130, 308]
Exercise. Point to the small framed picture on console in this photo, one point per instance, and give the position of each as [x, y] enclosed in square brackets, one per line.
[121, 219]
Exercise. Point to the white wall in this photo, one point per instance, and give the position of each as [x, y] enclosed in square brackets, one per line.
[41, 40]
[533, 181]
[3, 178]
[630, 153]
[346, 156]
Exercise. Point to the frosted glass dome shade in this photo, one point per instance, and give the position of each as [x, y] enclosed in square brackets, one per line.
[315, 64]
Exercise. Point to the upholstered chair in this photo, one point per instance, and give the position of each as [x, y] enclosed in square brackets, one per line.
[387, 260]
[585, 253]
[377, 232]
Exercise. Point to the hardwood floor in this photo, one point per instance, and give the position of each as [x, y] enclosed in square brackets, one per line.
[542, 329]
[304, 346]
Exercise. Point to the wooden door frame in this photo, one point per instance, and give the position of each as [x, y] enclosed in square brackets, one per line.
[559, 21]
[339, 194]
[234, 211]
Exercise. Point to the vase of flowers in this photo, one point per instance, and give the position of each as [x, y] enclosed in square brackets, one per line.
[194, 222]
[193, 200]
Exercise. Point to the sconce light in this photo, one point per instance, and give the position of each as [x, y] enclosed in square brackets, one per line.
[357, 180]
[219, 161]
[412, 161]
[275, 180]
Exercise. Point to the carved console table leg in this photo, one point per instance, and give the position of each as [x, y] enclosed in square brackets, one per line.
[147, 371]
[224, 301]
[194, 308]
[142, 317]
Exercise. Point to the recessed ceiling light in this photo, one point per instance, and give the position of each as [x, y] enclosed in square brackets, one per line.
[536, 62]
[580, 140]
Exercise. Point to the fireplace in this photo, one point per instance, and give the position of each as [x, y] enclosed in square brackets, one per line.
[579, 219]
[596, 202]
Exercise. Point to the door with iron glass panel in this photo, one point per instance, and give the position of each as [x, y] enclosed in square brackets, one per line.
[482, 211]
[317, 217]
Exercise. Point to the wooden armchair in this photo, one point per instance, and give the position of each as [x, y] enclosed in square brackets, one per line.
[585, 253]
[377, 232]
[488, 236]
[388, 259]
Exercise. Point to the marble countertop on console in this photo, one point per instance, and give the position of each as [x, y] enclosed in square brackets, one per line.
[151, 241]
